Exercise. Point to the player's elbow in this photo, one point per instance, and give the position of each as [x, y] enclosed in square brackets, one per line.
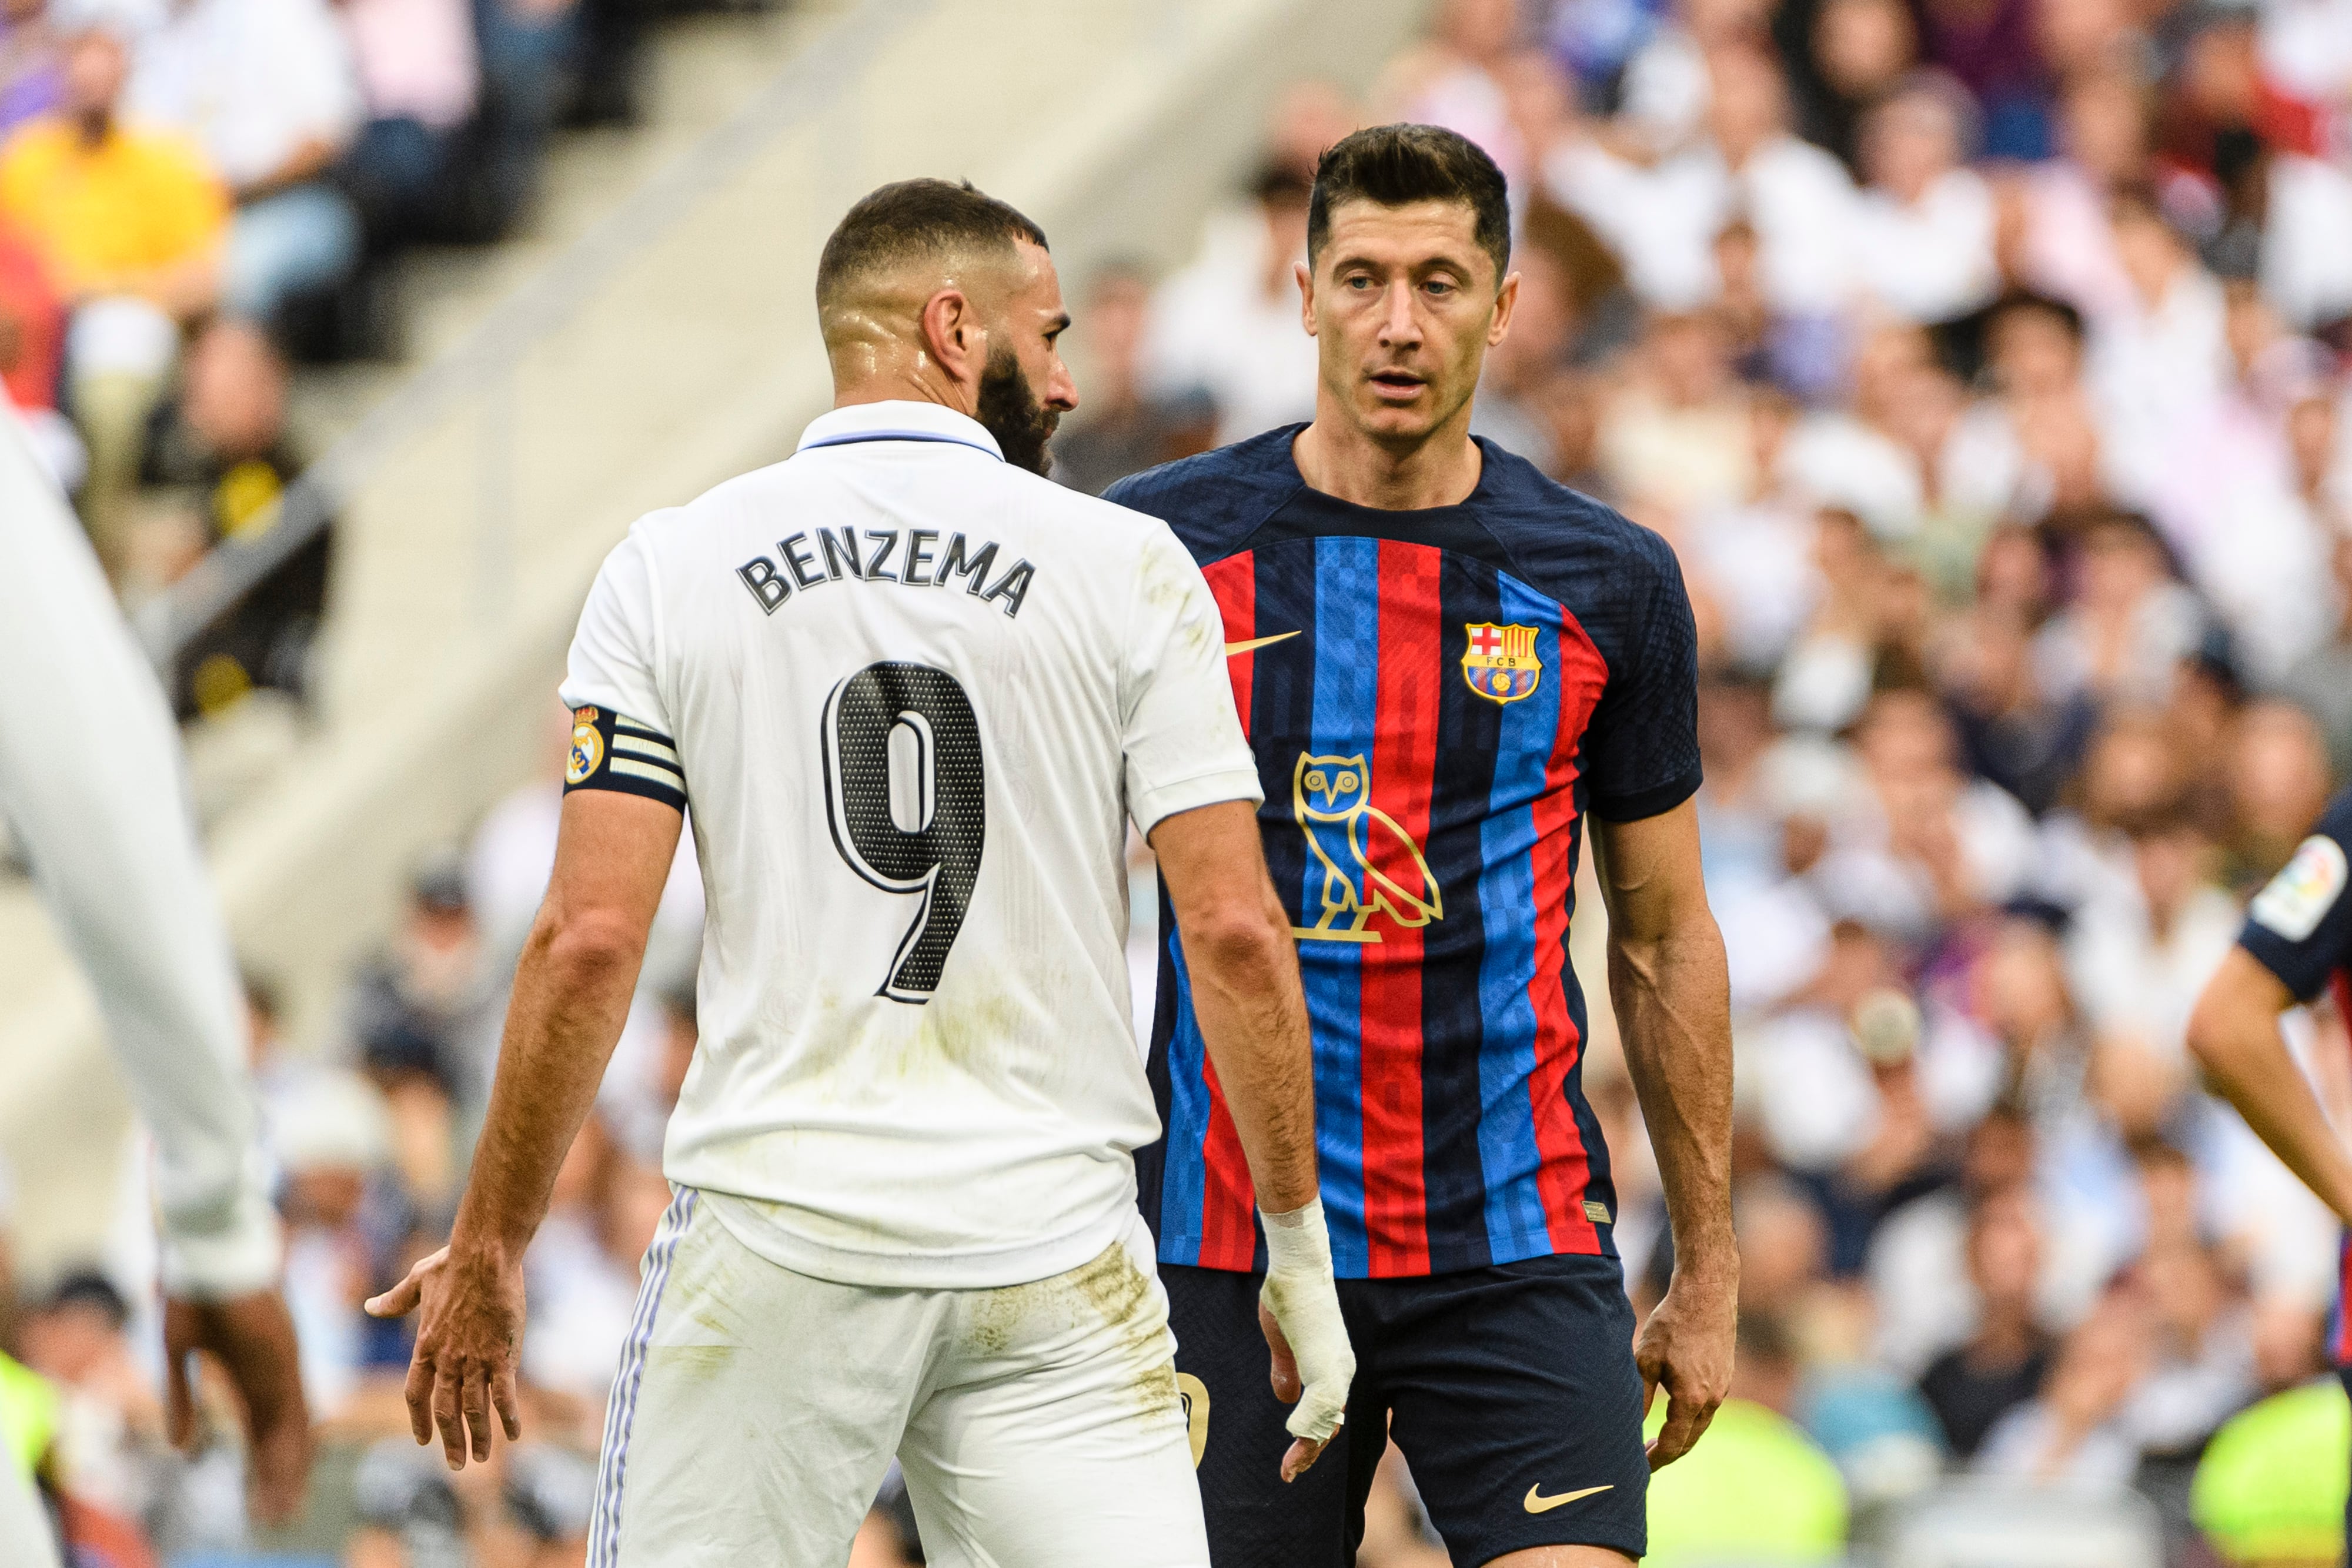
[2232, 1003]
[582, 946]
[1239, 941]
[2211, 1024]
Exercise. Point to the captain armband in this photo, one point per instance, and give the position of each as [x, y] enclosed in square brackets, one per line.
[611, 751]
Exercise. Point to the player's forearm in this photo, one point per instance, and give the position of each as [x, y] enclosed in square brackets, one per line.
[1672, 995]
[2245, 1058]
[572, 996]
[1253, 1016]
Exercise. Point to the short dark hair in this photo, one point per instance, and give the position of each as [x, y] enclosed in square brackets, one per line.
[1398, 165]
[917, 217]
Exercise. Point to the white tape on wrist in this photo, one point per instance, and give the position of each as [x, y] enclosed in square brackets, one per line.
[1304, 1302]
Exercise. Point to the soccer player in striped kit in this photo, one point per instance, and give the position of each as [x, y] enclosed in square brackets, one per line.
[1448, 668]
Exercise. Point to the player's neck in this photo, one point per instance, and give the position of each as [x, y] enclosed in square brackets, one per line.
[1340, 460]
[920, 380]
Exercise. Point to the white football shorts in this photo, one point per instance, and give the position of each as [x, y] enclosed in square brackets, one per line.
[757, 1411]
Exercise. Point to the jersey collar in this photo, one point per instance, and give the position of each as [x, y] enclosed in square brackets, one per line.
[930, 422]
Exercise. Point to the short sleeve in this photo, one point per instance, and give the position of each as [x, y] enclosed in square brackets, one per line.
[1183, 744]
[1640, 750]
[2299, 927]
[612, 660]
[621, 735]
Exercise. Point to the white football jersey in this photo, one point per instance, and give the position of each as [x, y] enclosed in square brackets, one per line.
[914, 695]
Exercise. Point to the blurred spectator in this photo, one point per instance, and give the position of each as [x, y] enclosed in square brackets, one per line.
[1125, 430]
[1924, 230]
[294, 108]
[422, 1019]
[2321, 681]
[130, 223]
[582, 1269]
[2073, 1434]
[1458, 77]
[1228, 325]
[31, 76]
[32, 358]
[528, 1506]
[332, 1137]
[229, 452]
[2003, 1364]
[420, 78]
[1854, 54]
[1677, 435]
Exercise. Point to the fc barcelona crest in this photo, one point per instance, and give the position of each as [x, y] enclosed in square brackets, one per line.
[1500, 661]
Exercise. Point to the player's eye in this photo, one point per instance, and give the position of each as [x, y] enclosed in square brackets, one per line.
[1439, 286]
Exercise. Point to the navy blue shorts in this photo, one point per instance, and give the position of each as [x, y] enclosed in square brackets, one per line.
[1511, 1390]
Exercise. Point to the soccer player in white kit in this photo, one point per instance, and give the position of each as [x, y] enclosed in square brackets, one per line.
[90, 777]
[914, 692]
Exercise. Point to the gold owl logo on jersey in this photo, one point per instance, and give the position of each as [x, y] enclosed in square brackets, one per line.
[587, 748]
[1500, 661]
[1370, 865]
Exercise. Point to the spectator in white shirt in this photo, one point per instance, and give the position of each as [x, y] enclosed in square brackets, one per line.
[1924, 230]
[1229, 324]
[267, 88]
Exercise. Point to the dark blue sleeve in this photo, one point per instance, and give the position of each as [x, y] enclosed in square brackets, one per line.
[2300, 926]
[1640, 749]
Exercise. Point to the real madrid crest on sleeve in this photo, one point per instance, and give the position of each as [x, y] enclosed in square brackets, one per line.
[587, 748]
[1500, 661]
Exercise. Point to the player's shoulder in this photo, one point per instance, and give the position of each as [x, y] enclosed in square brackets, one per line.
[1566, 544]
[1216, 499]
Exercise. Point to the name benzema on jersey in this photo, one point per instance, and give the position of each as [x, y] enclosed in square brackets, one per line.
[924, 562]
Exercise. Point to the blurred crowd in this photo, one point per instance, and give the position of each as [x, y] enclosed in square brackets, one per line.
[194, 191]
[1984, 362]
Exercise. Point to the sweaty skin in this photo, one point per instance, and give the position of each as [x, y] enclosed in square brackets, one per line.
[922, 331]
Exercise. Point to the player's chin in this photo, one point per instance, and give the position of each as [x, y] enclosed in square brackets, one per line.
[1396, 419]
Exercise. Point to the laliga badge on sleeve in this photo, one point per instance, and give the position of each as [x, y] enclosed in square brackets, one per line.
[2299, 896]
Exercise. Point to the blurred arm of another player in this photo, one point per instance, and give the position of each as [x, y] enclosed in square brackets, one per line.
[2297, 938]
[1252, 1016]
[2234, 1035]
[1672, 990]
[90, 773]
[571, 991]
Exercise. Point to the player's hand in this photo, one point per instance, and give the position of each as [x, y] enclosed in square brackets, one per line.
[1299, 1309]
[252, 1337]
[1686, 1349]
[467, 1344]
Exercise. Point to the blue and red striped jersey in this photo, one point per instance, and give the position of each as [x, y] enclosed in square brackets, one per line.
[1435, 699]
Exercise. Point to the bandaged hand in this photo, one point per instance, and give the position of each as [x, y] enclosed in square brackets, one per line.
[1314, 1366]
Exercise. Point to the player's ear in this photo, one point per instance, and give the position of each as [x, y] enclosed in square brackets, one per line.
[1506, 299]
[952, 334]
[1305, 296]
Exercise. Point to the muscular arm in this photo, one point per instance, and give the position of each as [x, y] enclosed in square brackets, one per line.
[571, 993]
[1245, 992]
[1669, 984]
[1253, 1015]
[2235, 1036]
